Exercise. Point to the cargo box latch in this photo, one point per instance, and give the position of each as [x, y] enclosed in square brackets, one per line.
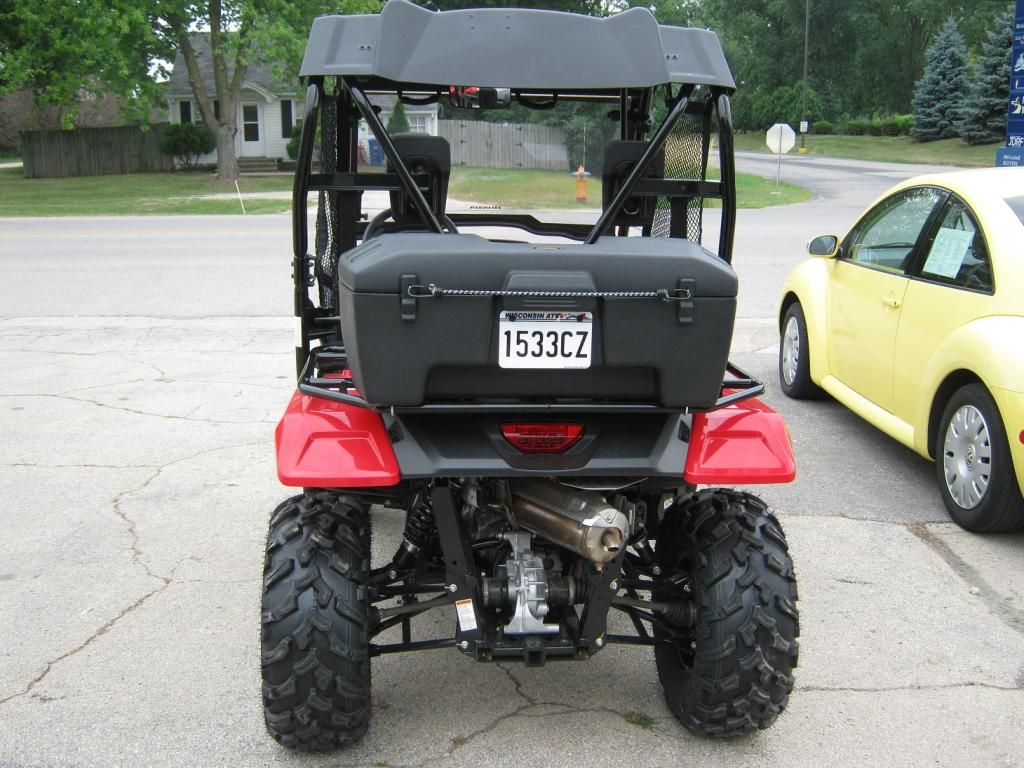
[408, 298]
[685, 290]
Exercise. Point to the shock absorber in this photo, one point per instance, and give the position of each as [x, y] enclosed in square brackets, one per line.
[419, 528]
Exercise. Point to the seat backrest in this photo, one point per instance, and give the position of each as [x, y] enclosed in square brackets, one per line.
[620, 157]
[422, 154]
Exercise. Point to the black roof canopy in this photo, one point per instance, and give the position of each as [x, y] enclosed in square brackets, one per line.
[514, 48]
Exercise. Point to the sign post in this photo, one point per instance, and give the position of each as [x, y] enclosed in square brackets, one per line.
[780, 139]
[1013, 152]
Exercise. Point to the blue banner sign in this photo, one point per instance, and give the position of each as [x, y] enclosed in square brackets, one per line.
[1015, 109]
[1006, 157]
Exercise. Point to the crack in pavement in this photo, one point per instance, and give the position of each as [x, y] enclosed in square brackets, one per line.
[137, 555]
[134, 411]
[137, 559]
[88, 641]
[208, 403]
[529, 702]
[80, 466]
[1010, 616]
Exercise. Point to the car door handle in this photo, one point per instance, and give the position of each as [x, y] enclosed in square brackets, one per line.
[892, 302]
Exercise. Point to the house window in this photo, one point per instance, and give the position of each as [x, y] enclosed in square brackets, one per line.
[418, 123]
[216, 109]
[250, 122]
[185, 111]
[286, 118]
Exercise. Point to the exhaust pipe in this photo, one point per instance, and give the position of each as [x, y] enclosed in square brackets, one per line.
[581, 521]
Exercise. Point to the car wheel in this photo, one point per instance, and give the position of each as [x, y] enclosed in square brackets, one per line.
[973, 464]
[794, 357]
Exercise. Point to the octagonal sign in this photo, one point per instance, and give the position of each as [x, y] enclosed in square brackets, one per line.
[780, 138]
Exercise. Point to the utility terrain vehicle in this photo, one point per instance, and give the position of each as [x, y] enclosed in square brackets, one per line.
[542, 413]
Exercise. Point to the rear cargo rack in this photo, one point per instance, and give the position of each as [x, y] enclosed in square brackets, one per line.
[327, 375]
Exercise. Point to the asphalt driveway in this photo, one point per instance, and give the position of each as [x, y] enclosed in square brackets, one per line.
[145, 362]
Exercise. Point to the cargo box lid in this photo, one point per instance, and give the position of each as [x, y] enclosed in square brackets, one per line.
[470, 262]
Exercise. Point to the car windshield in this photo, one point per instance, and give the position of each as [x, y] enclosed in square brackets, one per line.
[1017, 206]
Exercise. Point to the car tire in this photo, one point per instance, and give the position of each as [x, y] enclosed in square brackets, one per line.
[315, 642]
[727, 669]
[794, 357]
[973, 464]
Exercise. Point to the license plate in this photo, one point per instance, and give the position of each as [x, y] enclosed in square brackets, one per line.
[545, 339]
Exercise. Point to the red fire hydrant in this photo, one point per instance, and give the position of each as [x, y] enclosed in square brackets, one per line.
[581, 184]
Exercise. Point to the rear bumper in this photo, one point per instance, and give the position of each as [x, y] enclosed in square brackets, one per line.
[327, 444]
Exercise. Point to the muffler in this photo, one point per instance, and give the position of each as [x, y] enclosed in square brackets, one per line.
[581, 521]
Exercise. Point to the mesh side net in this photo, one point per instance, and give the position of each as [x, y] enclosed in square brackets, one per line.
[684, 160]
[327, 243]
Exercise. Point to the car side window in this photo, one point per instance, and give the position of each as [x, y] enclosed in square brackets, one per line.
[886, 237]
[957, 254]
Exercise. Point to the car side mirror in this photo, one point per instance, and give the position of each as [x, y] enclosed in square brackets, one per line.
[823, 245]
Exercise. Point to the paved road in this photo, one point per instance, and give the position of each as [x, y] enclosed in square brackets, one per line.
[145, 362]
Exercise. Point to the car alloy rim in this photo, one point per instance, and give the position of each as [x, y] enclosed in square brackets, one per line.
[790, 351]
[967, 457]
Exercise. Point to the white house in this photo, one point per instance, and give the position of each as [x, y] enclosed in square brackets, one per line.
[267, 110]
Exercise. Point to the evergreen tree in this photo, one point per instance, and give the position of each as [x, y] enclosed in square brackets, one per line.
[983, 119]
[398, 123]
[939, 94]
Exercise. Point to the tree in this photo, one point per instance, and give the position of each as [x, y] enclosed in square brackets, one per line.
[398, 123]
[939, 94]
[865, 56]
[61, 48]
[272, 30]
[983, 118]
[69, 50]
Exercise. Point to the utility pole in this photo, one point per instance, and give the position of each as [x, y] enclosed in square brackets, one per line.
[807, 36]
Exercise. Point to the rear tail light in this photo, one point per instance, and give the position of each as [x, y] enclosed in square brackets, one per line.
[542, 437]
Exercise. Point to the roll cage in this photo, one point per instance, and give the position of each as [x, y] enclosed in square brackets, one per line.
[349, 60]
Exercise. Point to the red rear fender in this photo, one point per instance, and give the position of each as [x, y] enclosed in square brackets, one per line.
[324, 444]
[745, 443]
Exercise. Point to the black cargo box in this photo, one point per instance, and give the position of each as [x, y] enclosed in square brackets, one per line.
[670, 349]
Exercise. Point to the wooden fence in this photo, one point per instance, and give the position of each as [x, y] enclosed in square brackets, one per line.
[94, 151]
[505, 145]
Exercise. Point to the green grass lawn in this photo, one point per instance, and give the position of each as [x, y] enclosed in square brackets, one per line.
[139, 194]
[554, 189]
[187, 193]
[889, 149]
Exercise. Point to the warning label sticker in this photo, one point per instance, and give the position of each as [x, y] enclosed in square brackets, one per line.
[466, 614]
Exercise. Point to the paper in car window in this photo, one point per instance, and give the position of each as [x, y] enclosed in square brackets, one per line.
[948, 252]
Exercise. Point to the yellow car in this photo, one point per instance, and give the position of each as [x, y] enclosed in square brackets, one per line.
[915, 322]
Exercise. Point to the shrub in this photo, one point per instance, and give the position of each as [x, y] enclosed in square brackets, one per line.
[890, 126]
[823, 128]
[398, 122]
[293, 143]
[186, 142]
[875, 128]
[904, 123]
[857, 127]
